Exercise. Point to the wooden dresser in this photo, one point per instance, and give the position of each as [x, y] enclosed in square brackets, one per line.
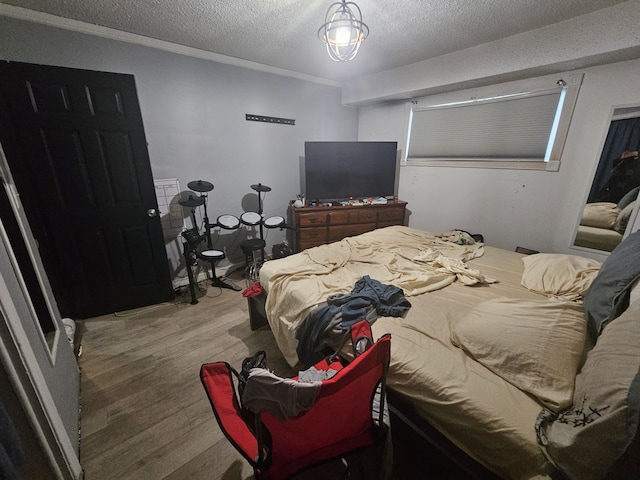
[319, 225]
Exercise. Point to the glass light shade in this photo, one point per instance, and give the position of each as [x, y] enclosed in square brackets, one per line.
[343, 31]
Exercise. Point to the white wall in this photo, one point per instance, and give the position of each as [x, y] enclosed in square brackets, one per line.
[533, 209]
[194, 116]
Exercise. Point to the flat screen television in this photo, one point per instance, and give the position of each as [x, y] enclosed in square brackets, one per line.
[337, 171]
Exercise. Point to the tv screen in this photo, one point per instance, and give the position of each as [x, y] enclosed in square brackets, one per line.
[336, 171]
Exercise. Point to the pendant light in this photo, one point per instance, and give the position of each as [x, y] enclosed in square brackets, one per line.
[343, 31]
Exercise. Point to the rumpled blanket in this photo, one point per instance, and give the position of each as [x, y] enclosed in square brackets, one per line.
[464, 274]
[299, 283]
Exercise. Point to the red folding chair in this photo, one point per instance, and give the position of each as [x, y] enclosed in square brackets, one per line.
[341, 420]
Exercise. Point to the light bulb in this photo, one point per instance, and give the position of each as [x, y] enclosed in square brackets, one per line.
[343, 36]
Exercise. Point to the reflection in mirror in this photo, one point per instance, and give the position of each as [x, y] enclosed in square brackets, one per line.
[612, 198]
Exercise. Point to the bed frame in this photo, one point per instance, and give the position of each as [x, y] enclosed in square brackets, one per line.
[415, 440]
[415, 433]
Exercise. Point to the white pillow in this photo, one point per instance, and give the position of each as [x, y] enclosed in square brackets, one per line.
[535, 345]
[558, 275]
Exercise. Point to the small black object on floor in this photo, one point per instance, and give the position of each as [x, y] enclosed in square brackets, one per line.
[257, 314]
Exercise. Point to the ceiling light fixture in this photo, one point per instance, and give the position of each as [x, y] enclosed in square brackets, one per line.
[343, 31]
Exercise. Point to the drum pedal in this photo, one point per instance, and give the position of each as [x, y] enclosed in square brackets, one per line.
[224, 282]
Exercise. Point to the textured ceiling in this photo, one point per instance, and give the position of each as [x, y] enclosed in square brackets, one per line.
[283, 33]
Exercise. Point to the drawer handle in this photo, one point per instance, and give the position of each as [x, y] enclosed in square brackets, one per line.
[313, 220]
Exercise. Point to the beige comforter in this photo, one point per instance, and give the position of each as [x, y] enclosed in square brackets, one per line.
[410, 259]
[483, 414]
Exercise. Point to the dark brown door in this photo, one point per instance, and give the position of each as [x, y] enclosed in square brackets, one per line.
[75, 144]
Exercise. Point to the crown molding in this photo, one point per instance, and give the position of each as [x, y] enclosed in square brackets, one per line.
[25, 14]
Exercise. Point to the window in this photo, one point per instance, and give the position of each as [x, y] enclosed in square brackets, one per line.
[510, 130]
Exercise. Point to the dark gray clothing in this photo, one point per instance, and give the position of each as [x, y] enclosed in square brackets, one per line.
[328, 323]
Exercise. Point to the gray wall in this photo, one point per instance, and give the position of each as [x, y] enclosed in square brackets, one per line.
[194, 117]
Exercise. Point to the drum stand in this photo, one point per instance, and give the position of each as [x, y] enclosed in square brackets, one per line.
[261, 188]
[221, 282]
[189, 249]
[193, 239]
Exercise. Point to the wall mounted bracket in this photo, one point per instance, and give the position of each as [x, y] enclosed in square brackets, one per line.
[262, 118]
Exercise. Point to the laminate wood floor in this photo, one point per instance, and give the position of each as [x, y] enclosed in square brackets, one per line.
[145, 414]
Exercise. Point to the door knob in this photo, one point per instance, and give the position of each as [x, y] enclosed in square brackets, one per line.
[152, 212]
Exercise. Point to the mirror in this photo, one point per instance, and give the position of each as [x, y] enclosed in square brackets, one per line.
[611, 205]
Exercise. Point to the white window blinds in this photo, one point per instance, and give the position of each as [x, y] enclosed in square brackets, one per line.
[509, 128]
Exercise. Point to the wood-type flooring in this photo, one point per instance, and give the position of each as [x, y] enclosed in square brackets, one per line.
[144, 412]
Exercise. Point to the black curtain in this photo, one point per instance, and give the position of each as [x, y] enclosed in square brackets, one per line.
[623, 136]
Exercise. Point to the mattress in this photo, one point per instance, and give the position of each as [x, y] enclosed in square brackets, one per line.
[484, 415]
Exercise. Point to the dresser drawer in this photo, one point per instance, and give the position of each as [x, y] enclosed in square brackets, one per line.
[367, 215]
[312, 218]
[313, 234]
[391, 215]
[342, 217]
[319, 225]
[352, 216]
[338, 232]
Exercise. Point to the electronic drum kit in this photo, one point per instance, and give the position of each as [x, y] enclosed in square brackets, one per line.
[228, 221]
[193, 238]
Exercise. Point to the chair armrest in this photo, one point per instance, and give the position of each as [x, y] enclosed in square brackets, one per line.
[217, 380]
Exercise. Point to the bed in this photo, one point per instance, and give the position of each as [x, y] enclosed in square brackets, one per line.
[492, 337]
[603, 224]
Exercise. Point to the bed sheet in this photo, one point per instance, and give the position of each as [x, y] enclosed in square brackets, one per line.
[484, 415]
